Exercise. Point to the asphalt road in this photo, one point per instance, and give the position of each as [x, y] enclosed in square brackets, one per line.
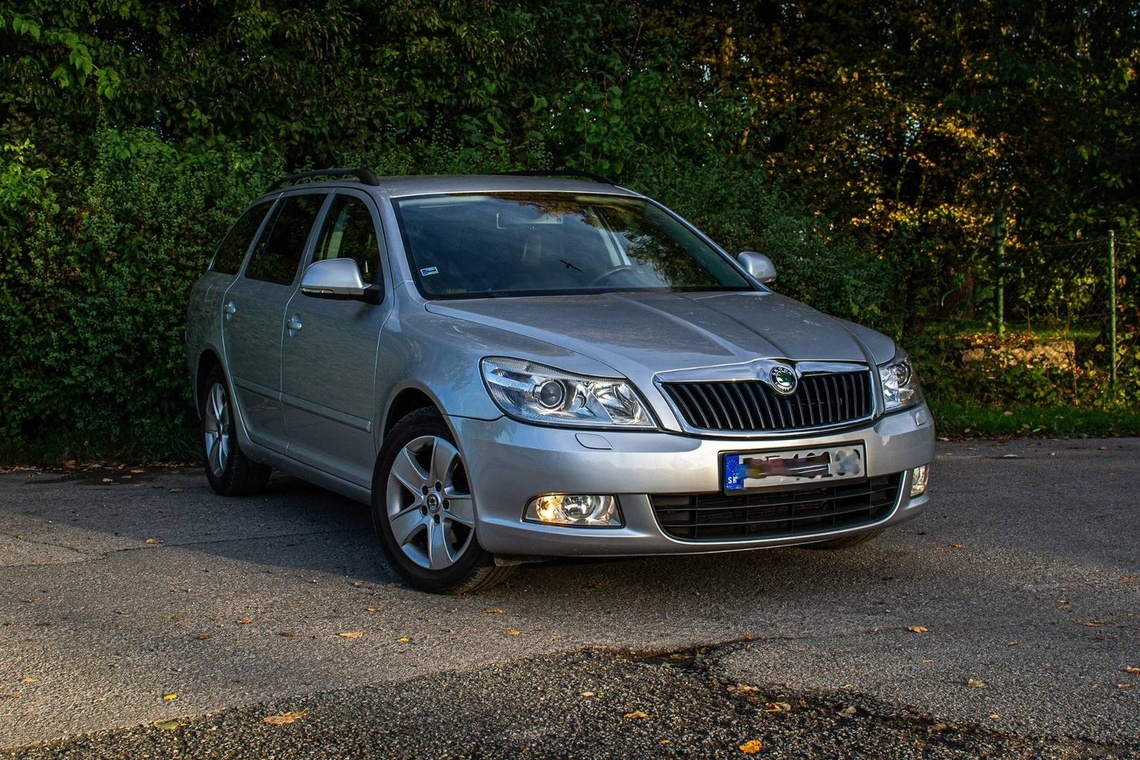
[141, 615]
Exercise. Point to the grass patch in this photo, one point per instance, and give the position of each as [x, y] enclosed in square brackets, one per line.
[956, 419]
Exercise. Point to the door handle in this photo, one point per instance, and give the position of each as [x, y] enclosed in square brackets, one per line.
[230, 310]
[294, 325]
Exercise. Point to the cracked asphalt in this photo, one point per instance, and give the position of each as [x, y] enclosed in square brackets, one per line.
[143, 616]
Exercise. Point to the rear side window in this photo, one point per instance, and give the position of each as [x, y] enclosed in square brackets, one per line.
[278, 253]
[349, 233]
[231, 252]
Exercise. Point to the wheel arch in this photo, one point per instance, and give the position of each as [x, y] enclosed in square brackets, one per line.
[406, 402]
[206, 363]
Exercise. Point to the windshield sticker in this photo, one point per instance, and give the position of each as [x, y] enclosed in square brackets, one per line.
[429, 271]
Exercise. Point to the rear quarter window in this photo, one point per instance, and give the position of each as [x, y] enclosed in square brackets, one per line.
[231, 252]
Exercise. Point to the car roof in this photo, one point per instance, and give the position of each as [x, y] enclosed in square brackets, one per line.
[433, 184]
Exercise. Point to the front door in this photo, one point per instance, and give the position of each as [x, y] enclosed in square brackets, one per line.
[328, 357]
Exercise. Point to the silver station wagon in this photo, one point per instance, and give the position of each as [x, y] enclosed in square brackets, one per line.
[511, 368]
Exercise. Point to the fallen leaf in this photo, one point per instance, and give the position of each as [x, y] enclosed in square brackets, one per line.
[637, 715]
[169, 697]
[587, 694]
[1093, 623]
[744, 688]
[848, 712]
[284, 718]
[1014, 643]
[108, 480]
[176, 490]
[513, 632]
[203, 637]
[244, 621]
[1132, 670]
[169, 725]
[751, 747]
[995, 716]
[492, 611]
[351, 634]
[1128, 579]
[1125, 685]
[976, 683]
[917, 628]
[777, 707]
[404, 640]
[27, 680]
[154, 541]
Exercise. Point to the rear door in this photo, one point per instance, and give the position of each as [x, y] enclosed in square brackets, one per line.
[329, 350]
[253, 318]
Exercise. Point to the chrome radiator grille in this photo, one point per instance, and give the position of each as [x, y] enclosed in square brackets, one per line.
[752, 406]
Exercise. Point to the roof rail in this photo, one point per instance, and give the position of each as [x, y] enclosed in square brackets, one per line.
[562, 173]
[364, 175]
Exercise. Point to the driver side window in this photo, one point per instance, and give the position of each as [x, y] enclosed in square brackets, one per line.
[349, 233]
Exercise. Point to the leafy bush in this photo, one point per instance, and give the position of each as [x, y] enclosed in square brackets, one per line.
[98, 261]
[739, 209]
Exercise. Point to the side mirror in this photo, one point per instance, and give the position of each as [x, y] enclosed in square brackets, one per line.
[758, 265]
[333, 278]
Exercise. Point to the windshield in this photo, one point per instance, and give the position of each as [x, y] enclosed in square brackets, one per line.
[504, 244]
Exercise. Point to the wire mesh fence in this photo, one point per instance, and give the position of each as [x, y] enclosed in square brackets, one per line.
[1072, 307]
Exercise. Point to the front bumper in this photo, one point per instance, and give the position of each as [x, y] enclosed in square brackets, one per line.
[509, 463]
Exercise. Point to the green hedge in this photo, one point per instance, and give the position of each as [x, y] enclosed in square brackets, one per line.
[99, 254]
[98, 258]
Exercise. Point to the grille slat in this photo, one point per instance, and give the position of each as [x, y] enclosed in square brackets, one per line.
[743, 406]
[777, 513]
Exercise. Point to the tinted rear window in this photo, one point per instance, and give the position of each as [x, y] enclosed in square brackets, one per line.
[278, 253]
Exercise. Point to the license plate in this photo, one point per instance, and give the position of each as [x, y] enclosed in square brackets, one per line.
[764, 469]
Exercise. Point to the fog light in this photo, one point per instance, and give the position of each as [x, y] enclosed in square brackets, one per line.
[918, 480]
[575, 509]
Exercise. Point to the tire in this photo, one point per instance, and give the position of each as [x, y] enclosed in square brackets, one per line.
[229, 470]
[423, 510]
[847, 542]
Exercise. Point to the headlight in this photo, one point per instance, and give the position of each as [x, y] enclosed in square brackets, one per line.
[535, 393]
[900, 386]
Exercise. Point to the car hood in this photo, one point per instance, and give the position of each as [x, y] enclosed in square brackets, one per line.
[640, 333]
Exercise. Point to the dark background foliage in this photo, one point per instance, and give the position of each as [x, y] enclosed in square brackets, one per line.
[865, 146]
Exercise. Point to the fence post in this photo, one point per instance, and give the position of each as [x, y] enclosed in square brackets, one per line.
[1112, 306]
[997, 230]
